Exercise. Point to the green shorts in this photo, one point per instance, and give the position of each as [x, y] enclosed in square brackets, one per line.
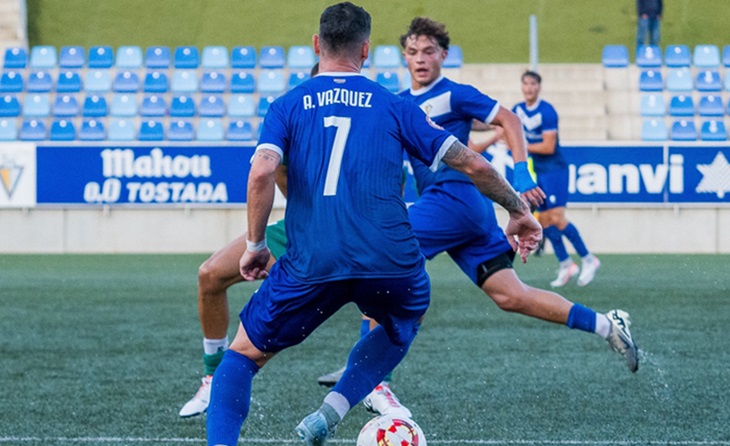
[276, 238]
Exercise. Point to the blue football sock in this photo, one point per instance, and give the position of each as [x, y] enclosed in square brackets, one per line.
[230, 398]
[582, 318]
[556, 239]
[571, 233]
[364, 327]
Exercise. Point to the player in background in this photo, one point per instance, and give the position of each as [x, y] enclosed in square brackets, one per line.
[540, 121]
[328, 128]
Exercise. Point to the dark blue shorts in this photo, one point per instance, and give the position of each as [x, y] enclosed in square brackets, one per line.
[555, 185]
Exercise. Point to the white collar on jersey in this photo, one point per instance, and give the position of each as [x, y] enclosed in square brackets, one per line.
[339, 74]
[534, 106]
[428, 88]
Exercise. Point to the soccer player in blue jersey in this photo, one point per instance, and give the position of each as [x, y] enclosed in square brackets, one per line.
[349, 235]
[540, 121]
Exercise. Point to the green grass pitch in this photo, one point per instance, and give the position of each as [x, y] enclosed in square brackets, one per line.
[104, 350]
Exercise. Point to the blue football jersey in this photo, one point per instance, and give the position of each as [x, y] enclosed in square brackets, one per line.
[452, 106]
[343, 136]
[539, 118]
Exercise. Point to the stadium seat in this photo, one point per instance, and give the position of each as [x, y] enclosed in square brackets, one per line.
[187, 57]
[65, 106]
[126, 82]
[72, 57]
[272, 57]
[387, 56]
[211, 106]
[43, 56]
[213, 82]
[157, 57]
[727, 80]
[297, 78]
[9, 106]
[389, 80]
[713, 130]
[649, 56]
[180, 130]
[239, 130]
[215, 57]
[95, 106]
[121, 129]
[151, 130]
[271, 82]
[11, 82]
[679, 79]
[123, 105]
[32, 130]
[652, 104]
[15, 58]
[129, 57]
[241, 106]
[726, 56]
[708, 80]
[654, 130]
[101, 57]
[455, 57]
[155, 82]
[264, 104]
[710, 105]
[39, 82]
[153, 106]
[68, 82]
[97, 81]
[243, 57]
[683, 130]
[8, 129]
[62, 130]
[210, 130]
[300, 56]
[405, 82]
[182, 106]
[681, 106]
[651, 80]
[37, 105]
[242, 82]
[368, 61]
[677, 56]
[706, 56]
[92, 130]
[615, 56]
[184, 81]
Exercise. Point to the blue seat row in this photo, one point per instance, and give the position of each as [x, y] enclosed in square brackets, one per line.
[683, 130]
[653, 104]
[681, 79]
[674, 56]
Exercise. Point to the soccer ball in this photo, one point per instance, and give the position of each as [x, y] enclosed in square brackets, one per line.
[391, 430]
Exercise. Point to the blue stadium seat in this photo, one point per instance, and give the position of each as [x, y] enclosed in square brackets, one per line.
[15, 58]
[242, 82]
[368, 61]
[651, 80]
[405, 82]
[11, 82]
[72, 57]
[187, 57]
[151, 130]
[180, 130]
[296, 78]
[210, 130]
[239, 130]
[153, 105]
[243, 57]
[213, 82]
[654, 130]
[8, 129]
[126, 82]
[92, 130]
[184, 81]
[710, 105]
[241, 106]
[95, 106]
[649, 56]
[68, 82]
[129, 57]
[706, 56]
[389, 80]
[681, 105]
[683, 130]
[455, 57]
[123, 105]
[62, 130]
[727, 80]
[726, 56]
[157, 57]
[713, 130]
[121, 129]
[271, 82]
[37, 105]
[615, 56]
[155, 82]
[272, 57]
[97, 81]
[211, 106]
[708, 80]
[43, 56]
[677, 56]
[9, 106]
[215, 57]
[264, 104]
[39, 82]
[65, 106]
[32, 130]
[182, 106]
[387, 56]
[101, 57]
[652, 104]
[300, 56]
[679, 79]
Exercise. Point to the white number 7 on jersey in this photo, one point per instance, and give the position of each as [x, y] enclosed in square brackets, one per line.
[338, 149]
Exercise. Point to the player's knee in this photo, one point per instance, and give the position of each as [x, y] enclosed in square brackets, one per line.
[511, 300]
[209, 278]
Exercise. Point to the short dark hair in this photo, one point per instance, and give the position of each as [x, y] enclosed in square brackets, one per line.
[423, 26]
[532, 74]
[343, 27]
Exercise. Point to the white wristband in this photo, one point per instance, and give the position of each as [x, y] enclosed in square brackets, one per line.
[256, 246]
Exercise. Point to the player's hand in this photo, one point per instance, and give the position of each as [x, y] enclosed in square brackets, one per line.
[523, 234]
[524, 184]
[253, 264]
[534, 197]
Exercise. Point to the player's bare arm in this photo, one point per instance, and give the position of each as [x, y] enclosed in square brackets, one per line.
[547, 146]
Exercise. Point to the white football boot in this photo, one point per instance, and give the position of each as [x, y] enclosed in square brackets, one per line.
[565, 273]
[199, 403]
[330, 379]
[382, 400]
[588, 270]
[620, 339]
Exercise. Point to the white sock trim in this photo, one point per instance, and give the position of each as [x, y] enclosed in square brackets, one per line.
[213, 346]
[338, 402]
[603, 325]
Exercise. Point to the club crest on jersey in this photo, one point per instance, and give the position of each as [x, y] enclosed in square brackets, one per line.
[433, 124]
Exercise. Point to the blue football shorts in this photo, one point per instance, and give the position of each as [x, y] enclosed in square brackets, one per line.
[555, 185]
